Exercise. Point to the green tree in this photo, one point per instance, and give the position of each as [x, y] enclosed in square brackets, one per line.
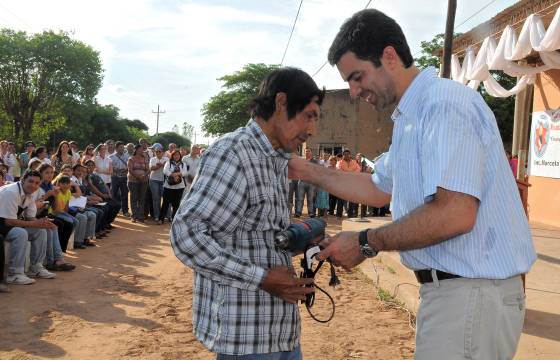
[41, 73]
[137, 124]
[188, 130]
[170, 137]
[229, 109]
[503, 108]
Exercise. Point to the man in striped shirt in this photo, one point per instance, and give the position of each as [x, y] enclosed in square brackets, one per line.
[245, 290]
[458, 219]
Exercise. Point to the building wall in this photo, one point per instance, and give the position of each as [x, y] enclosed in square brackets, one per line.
[544, 193]
[351, 124]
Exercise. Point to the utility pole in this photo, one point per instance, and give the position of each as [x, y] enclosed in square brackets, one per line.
[194, 138]
[157, 121]
[448, 42]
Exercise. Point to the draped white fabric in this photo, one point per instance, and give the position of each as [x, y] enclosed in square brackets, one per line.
[503, 56]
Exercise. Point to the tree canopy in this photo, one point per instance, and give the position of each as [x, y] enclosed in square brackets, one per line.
[42, 73]
[166, 138]
[229, 109]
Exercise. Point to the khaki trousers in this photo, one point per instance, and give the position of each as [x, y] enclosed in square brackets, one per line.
[475, 319]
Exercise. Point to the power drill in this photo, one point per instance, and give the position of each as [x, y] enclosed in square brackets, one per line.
[298, 237]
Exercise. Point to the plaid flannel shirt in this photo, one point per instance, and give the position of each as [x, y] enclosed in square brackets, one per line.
[224, 230]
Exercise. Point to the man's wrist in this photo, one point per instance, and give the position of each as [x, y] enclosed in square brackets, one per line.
[373, 240]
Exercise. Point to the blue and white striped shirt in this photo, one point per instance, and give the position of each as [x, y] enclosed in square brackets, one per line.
[446, 136]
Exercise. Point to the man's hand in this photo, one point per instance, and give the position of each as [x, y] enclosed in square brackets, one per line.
[281, 282]
[44, 223]
[343, 249]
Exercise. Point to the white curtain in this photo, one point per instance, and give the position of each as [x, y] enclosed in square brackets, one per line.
[503, 56]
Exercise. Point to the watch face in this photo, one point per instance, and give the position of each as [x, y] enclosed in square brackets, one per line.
[367, 251]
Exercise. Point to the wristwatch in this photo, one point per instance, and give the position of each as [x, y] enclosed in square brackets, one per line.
[365, 249]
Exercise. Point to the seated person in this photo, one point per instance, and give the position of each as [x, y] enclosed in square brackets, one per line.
[6, 176]
[97, 186]
[3, 180]
[60, 209]
[43, 200]
[18, 225]
[93, 201]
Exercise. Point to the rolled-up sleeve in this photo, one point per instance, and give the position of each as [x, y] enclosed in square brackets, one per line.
[382, 176]
[217, 203]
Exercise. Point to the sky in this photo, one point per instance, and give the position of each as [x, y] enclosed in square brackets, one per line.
[171, 52]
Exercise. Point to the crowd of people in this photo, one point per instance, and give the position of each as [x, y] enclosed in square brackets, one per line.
[73, 194]
[321, 203]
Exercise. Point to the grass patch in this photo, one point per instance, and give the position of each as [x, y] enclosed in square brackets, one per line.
[391, 270]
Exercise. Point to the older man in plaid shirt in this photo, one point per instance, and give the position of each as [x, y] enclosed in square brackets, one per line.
[245, 290]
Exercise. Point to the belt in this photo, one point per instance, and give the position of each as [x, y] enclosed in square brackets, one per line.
[425, 276]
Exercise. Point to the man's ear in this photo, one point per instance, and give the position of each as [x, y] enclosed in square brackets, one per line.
[281, 101]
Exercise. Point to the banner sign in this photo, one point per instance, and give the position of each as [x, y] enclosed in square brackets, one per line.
[544, 159]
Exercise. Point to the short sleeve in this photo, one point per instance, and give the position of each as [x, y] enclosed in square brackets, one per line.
[382, 175]
[452, 150]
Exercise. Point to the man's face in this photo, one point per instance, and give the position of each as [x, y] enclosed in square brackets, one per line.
[292, 133]
[372, 84]
[90, 167]
[347, 155]
[74, 147]
[195, 150]
[308, 154]
[31, 184]
[67, 171]
[359, 157]
[120, 149]
[130, 149]
[172, 147]
[30, 148]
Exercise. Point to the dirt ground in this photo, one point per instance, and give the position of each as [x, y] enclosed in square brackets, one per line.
[130, 298]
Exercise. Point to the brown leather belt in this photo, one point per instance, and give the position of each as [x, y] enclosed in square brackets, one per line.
[425, 276]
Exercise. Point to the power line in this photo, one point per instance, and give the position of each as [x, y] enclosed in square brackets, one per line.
[464, 21]
[291, 33]
[325, 63]
[157, 121]
[476, 13]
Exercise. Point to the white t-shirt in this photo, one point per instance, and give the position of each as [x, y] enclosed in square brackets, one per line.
[44, 161]
[12, 196]
[102, 168]
[168, 169]
[10, 161]
[157, 174]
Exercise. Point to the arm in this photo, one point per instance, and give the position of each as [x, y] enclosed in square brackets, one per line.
[351, 186]
[166, 169]
[94, 189]
[154, 165]
[77, 190]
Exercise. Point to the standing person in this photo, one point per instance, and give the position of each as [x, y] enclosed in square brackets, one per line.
[138, 174]
[245, 294]
[306, 190]
[19, 225]
[129, 148]
[103, 164]
[333, 200]
[119, 165]
[365, 169]
[63, 156]
[192, 161]
[174, 170]
[7, 157]
[458, 219]
[157, 164]
[110, 147]
[348, 164]
[75, 153]
[27, 155]
[88, 154]
[170, 149]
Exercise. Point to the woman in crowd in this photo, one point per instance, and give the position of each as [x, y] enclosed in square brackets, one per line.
[43, 200]
[156, 179]
[3, 180]
[103, 166]
[63, 156]
[7, 157]
[138, 174]
[34, 164]
[333, 200]
[26, 156]
[174, 170]
[41, 155]
[88, 154]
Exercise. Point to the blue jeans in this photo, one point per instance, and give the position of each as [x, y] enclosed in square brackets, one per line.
[54, 251]
[119, 192]
[17, 238]
[156, 186]
[305, 190]
[282, 355]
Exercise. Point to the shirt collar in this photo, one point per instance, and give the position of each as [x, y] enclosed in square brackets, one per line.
[411, 96]
[258, 134]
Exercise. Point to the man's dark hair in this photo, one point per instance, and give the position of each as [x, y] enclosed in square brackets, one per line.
[298, 86]
[31, 173]
[63, 180]
[118, 143]
[367, 33]
[77, 166]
